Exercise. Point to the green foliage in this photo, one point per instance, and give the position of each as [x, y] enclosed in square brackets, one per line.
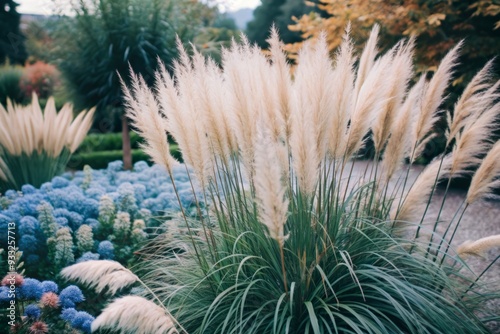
[107, 36]
[23, 171]
[279, 12]
[11, 39]
[101, 159]
[97, 142]
[10, 77]
[348, 272]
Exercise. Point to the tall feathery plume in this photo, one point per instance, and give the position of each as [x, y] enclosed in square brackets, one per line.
[243, 107]
[101, 274]
[133, 314]
[432, 99]
[367, 59]
[312, 85]
[209, 98]
[479, 247]
[343, 87]
[400, 74]
[142, 109]
[475, 98]
[369, 99]
[200, 160]
[269, 189]
[175, 121]
[474, 141]
[398, 146]
[419, 192]
[281, 71]
[486, 179]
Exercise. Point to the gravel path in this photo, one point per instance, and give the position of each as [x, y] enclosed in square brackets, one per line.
[481, 219]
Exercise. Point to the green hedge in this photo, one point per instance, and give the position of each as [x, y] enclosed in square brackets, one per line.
[101, 159]
[97, 142]
[10, 77]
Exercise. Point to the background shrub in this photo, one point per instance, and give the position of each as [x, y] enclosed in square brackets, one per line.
[10, 77]
[39, 78]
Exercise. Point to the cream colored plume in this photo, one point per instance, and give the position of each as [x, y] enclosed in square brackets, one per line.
[474, 141]
[25, 129]
[367, 58]
[282, 75]
[486, 178]
[314, 78]
[473, 101]
[101, 274]
[400, 74]
[269, 188]
[133, 314]
[418, 195]
[398, 146]
[142, 109]
[342, 91]
[369, 100]
[479, 247]
[249, 96]
[433, 97]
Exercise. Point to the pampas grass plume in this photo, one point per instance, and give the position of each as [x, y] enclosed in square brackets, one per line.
[101, 274]
[485, 181]
[479, 247]
[133, 314]
[269, 189]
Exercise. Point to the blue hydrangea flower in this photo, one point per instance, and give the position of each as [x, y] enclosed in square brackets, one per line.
[31, 289]
[71, 295]
[140, 166]
[106, 250]
[11, 194]
[28, 244]
[50, 286]
[28, 225]
[59, 182]
[62, 221]
[87, 326]
[46, 187]
[4, 294]
[80, 318]
[115, 166]
[32, 311]
[74, 219]
[28, 189]
[88, 256]
[68, 314]
[94, 223]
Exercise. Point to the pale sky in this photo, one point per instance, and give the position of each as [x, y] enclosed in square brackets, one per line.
[47, 6]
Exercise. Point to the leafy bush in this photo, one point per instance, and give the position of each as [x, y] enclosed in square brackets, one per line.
[10, 77]
[292, 240]
[34, 145]
[89, 215]
[39, 78]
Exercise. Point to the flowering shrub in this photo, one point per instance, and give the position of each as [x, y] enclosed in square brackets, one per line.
[42, 307]
[39, 78]
[89, 215]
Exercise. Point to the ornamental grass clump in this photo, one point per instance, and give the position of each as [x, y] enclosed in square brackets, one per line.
[291, 238]
[35, 146]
